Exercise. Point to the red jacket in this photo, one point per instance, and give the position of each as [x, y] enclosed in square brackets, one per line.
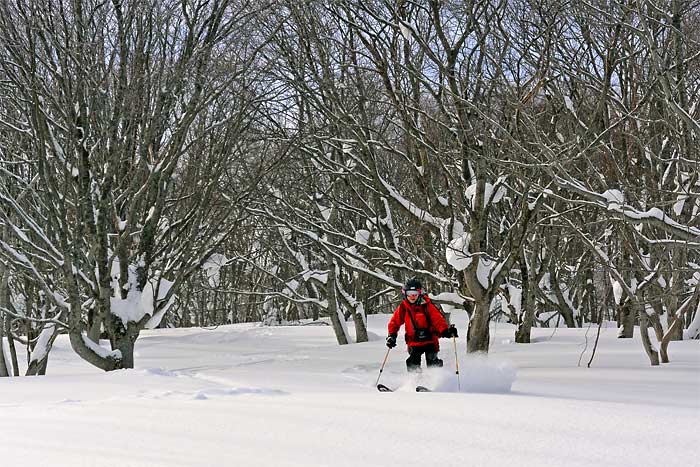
[402, 316]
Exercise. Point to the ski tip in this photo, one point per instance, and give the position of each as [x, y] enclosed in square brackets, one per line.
[383, 388]
[422, 389]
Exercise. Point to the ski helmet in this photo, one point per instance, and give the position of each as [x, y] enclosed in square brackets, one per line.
[412, 284]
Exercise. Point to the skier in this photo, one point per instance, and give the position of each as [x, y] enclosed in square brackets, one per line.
[424, 325]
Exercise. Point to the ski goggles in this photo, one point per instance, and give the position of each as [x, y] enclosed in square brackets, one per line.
[412, 293]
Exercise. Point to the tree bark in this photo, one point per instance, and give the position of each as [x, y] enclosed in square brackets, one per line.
[37, 365]
[478, 334]
[527, 305]
[338, 325]
[668, 337]
[651, 352]
[3, 365]
[125, 344]
[360, 327]
[563, 306]
[626, 320]
[11, 344]
[4, 277]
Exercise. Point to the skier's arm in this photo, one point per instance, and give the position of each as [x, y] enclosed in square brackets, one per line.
[396, 321]
[437, 320]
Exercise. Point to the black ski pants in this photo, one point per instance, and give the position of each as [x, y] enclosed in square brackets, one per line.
[415, 353]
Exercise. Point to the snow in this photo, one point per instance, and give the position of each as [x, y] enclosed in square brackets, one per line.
[569, 104]
[42, 343]
[321, 276]
[362, 236]
[448, 297]
[655, 212]
[325, 211]
[419, 213]
[151, 211]
[457, 252]
[405, 31]
[290, 396]
[614, 196]
[19, 256]
[662, 282]
[490, 197]
[516, 298]
[61, 300]
[678, 205]
[212, 268]
[485, 270]
[103, 352]
[348, 146]
[139, 304]
[617, 291]
[693, 330]
[451, 229]
[18, 232]
[458, 256]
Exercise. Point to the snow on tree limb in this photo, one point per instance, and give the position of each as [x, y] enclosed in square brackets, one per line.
[653, 216]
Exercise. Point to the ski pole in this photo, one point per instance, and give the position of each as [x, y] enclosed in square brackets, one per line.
[382, 367]
[454, 341]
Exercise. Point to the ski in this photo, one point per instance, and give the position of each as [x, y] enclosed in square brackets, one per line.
[383, 388]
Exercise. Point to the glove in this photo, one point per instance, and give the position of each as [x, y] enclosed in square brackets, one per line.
[391, 341]
[450, 332]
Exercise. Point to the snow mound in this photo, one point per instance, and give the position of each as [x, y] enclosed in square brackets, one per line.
[482, 374]
[477, 374]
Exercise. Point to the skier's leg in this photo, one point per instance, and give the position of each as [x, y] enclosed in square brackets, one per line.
[431, 357]
[413, 360]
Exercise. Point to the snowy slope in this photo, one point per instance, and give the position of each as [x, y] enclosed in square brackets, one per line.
[245, 395]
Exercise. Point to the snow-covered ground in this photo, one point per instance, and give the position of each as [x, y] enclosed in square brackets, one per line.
[246, 395]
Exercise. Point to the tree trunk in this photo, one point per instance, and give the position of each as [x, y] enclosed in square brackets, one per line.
[563, 306]
[566, 312]
[39, 358]
[655, 321]
[3, 365]
[94, 330]
[125, 344]
[80, 347]
[646, 341]
[11, 344]
[590, 298]
[626, 319]
[527, 305]
[478, 333]
[5, 323]
[675, 290]
[668, 337]
[38, 367]
[360, 326]
[4, 275]
[4, 372]
[522, 333]
[339, 327]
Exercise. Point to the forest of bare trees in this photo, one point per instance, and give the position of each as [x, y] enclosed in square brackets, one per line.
[198, 163]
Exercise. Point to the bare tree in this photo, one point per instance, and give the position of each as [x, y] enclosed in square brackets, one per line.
[130, 113]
